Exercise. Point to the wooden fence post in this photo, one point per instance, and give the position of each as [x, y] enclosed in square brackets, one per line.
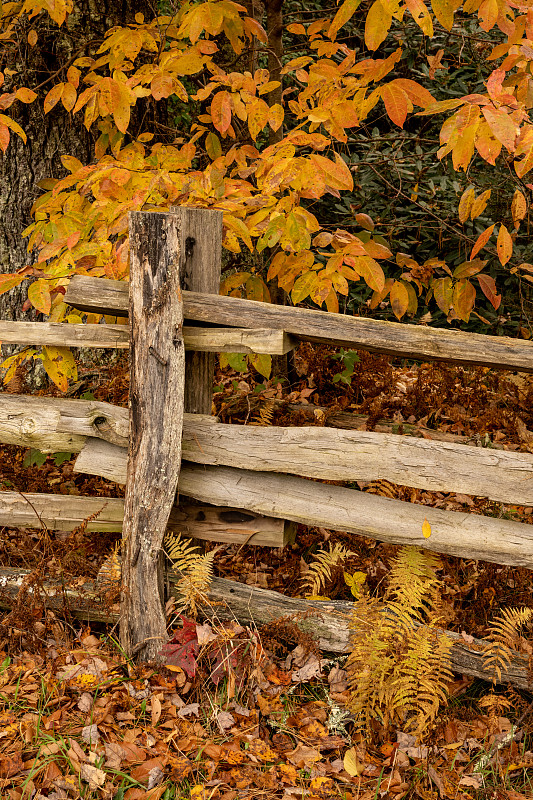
[200, 265]
[157, 369]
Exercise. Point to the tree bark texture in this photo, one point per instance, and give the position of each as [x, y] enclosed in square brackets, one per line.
[157, 374]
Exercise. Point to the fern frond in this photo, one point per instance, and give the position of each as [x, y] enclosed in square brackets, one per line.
[193, 585]
[397, 668]
[320, 569]
[265, 415]
[181, 552]
[504, 634]
[110, 573]
[413, 586]
[194, 572]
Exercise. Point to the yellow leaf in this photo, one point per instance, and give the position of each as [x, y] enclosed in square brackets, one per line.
[518, 207]
[504, 245]
[32, 38]
[351, 763]
[378, 22]
[426, 529]
[465, 204]
[344, 13]
[60, 366]
[25, 95]
[480, 203]
[39, 295]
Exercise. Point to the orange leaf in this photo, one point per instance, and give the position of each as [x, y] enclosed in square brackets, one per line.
[221, 111]
[504, 245]
[68, 96]
[53, 97]
[10, 280]
[396, 103]
[32, 38]
[25, 95]
[371, 272]
[502, 126]
[421, 16]
[481, 241]
[416, 93]
[488, 287]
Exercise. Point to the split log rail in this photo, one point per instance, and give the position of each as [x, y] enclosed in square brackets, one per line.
[254, 483]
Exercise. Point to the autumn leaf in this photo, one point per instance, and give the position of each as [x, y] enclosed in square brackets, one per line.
[465, 204]
[39, 295]
[399, 299]
[488, 287]
[377, 25]
[480, 203]
[182, 649]
[481, 241]
[60, 366]
[426, 529]
[504, 245]
[221, 111]
[518, 207]
[396, 103]
[343, 15]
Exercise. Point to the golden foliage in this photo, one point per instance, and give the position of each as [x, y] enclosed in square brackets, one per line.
[265, 415]
[320, 570]
[110, 572]
[194, 572]
[399, 662]
[505, 635]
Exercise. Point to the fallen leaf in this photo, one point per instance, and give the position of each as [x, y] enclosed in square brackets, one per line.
[352, 764]
[95, 777]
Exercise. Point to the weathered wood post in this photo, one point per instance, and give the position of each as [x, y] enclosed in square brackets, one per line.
[157, 375]
[200, 265]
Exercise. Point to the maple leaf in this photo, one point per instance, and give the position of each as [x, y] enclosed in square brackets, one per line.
[182, 649]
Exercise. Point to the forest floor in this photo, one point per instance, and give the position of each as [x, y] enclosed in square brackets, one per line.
[266, 720]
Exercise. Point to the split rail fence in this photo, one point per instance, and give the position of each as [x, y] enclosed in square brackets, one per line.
[253, 481]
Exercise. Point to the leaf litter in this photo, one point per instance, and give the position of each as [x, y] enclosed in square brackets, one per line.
[241, 713]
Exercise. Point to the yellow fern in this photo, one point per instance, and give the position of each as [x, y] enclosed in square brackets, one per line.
[399, 663]
[265, 415]
[504, 635]
[194, 572]
[320, 569]
[109, 574]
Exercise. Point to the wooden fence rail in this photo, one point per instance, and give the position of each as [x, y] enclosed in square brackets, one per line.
[393, 338]
[256, 480]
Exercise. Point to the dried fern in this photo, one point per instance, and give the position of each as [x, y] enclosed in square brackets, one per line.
[320, 570]
[194, 572]
[265, 415]
[399, 662]
[505, 634]
[110, 573]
